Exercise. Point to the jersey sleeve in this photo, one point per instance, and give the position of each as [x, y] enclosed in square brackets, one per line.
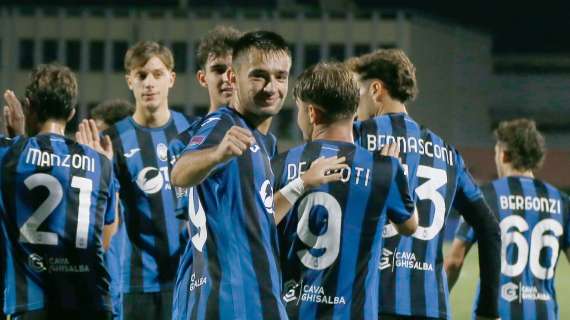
[400, 206]
[111, 213]
[278, 167]
[467, 188]
[465, 232]
[209, 132]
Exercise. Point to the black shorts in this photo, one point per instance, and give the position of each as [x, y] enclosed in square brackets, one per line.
[149, 305]
[58, 314]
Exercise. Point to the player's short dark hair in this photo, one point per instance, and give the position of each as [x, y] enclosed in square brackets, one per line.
[523, 142]
[330, 86]
[393, 68]
[267, 42]
[139, 54]
[217, 42]
[52, 91]
[112, 111]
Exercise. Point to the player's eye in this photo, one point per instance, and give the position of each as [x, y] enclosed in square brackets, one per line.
[219, 69]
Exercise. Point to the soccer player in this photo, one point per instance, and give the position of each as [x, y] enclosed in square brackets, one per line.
[534, 224]
[151, 253]
[235, 270]
[214, 57]
[57, 208]
[413, 282]
[332, 238]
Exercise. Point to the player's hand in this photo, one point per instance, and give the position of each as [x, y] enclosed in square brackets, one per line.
[324, 170]
[392, 150]
[235, 143]
[14, 118]
[89, 134]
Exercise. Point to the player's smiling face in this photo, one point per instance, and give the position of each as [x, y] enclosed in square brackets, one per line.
[150, 85]
[215, 78]
[261, 81]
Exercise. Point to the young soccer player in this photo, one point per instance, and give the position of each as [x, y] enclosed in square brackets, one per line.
[235, 270]
[413, 283]
[57, 209]
[534, 224]
[140, 143]
[332, 238]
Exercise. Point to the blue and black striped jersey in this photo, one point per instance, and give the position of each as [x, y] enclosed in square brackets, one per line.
[151, 238]
[413, 282]
[183, 275]
[56, 195]
[332, 238]
[232, 256]
[534, 219]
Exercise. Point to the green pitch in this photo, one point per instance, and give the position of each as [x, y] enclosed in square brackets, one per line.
[464, 290]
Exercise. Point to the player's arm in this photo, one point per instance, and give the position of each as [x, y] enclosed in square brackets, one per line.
[476, 212]
[401, 212]
[454, 260]
[194, 166]
[322, 170]
[109, 230]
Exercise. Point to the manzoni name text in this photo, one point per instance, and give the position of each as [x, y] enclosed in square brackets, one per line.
[47, 159]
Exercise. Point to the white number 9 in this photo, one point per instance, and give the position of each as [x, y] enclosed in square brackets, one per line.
[329, 241]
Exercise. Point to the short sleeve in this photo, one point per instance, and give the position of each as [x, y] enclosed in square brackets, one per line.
[209, 132]
[467, 188]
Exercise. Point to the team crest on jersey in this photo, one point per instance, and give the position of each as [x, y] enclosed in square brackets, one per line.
[266, 193]
[162, 151]
[150, 180]
[36, 262]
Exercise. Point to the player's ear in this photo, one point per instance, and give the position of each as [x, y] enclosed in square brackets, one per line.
[505, 156]
[201, 78]
[312, 113]
[231, 74]
[376, 90]
[172, 79]
[71, 114]
[129, 81]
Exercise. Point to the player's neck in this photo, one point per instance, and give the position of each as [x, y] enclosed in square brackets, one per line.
[511, 172]
[262, 124]
[392, 106]
[145, 118]
[53, 126]
[338, 131]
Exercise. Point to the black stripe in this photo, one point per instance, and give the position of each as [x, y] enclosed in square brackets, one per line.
[366, 128]
[339, 191]
[419, 247]
[388, 277]
[382, 180]
[540, 305]
[214, 270]
[491, 196]
[515, 188]
[166, 265]
[260, 260]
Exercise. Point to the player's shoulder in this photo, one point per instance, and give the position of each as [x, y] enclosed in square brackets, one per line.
[283, 156]
[223, 115]
[120, 127]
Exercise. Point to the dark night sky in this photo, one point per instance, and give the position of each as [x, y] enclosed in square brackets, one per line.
[517, 26]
